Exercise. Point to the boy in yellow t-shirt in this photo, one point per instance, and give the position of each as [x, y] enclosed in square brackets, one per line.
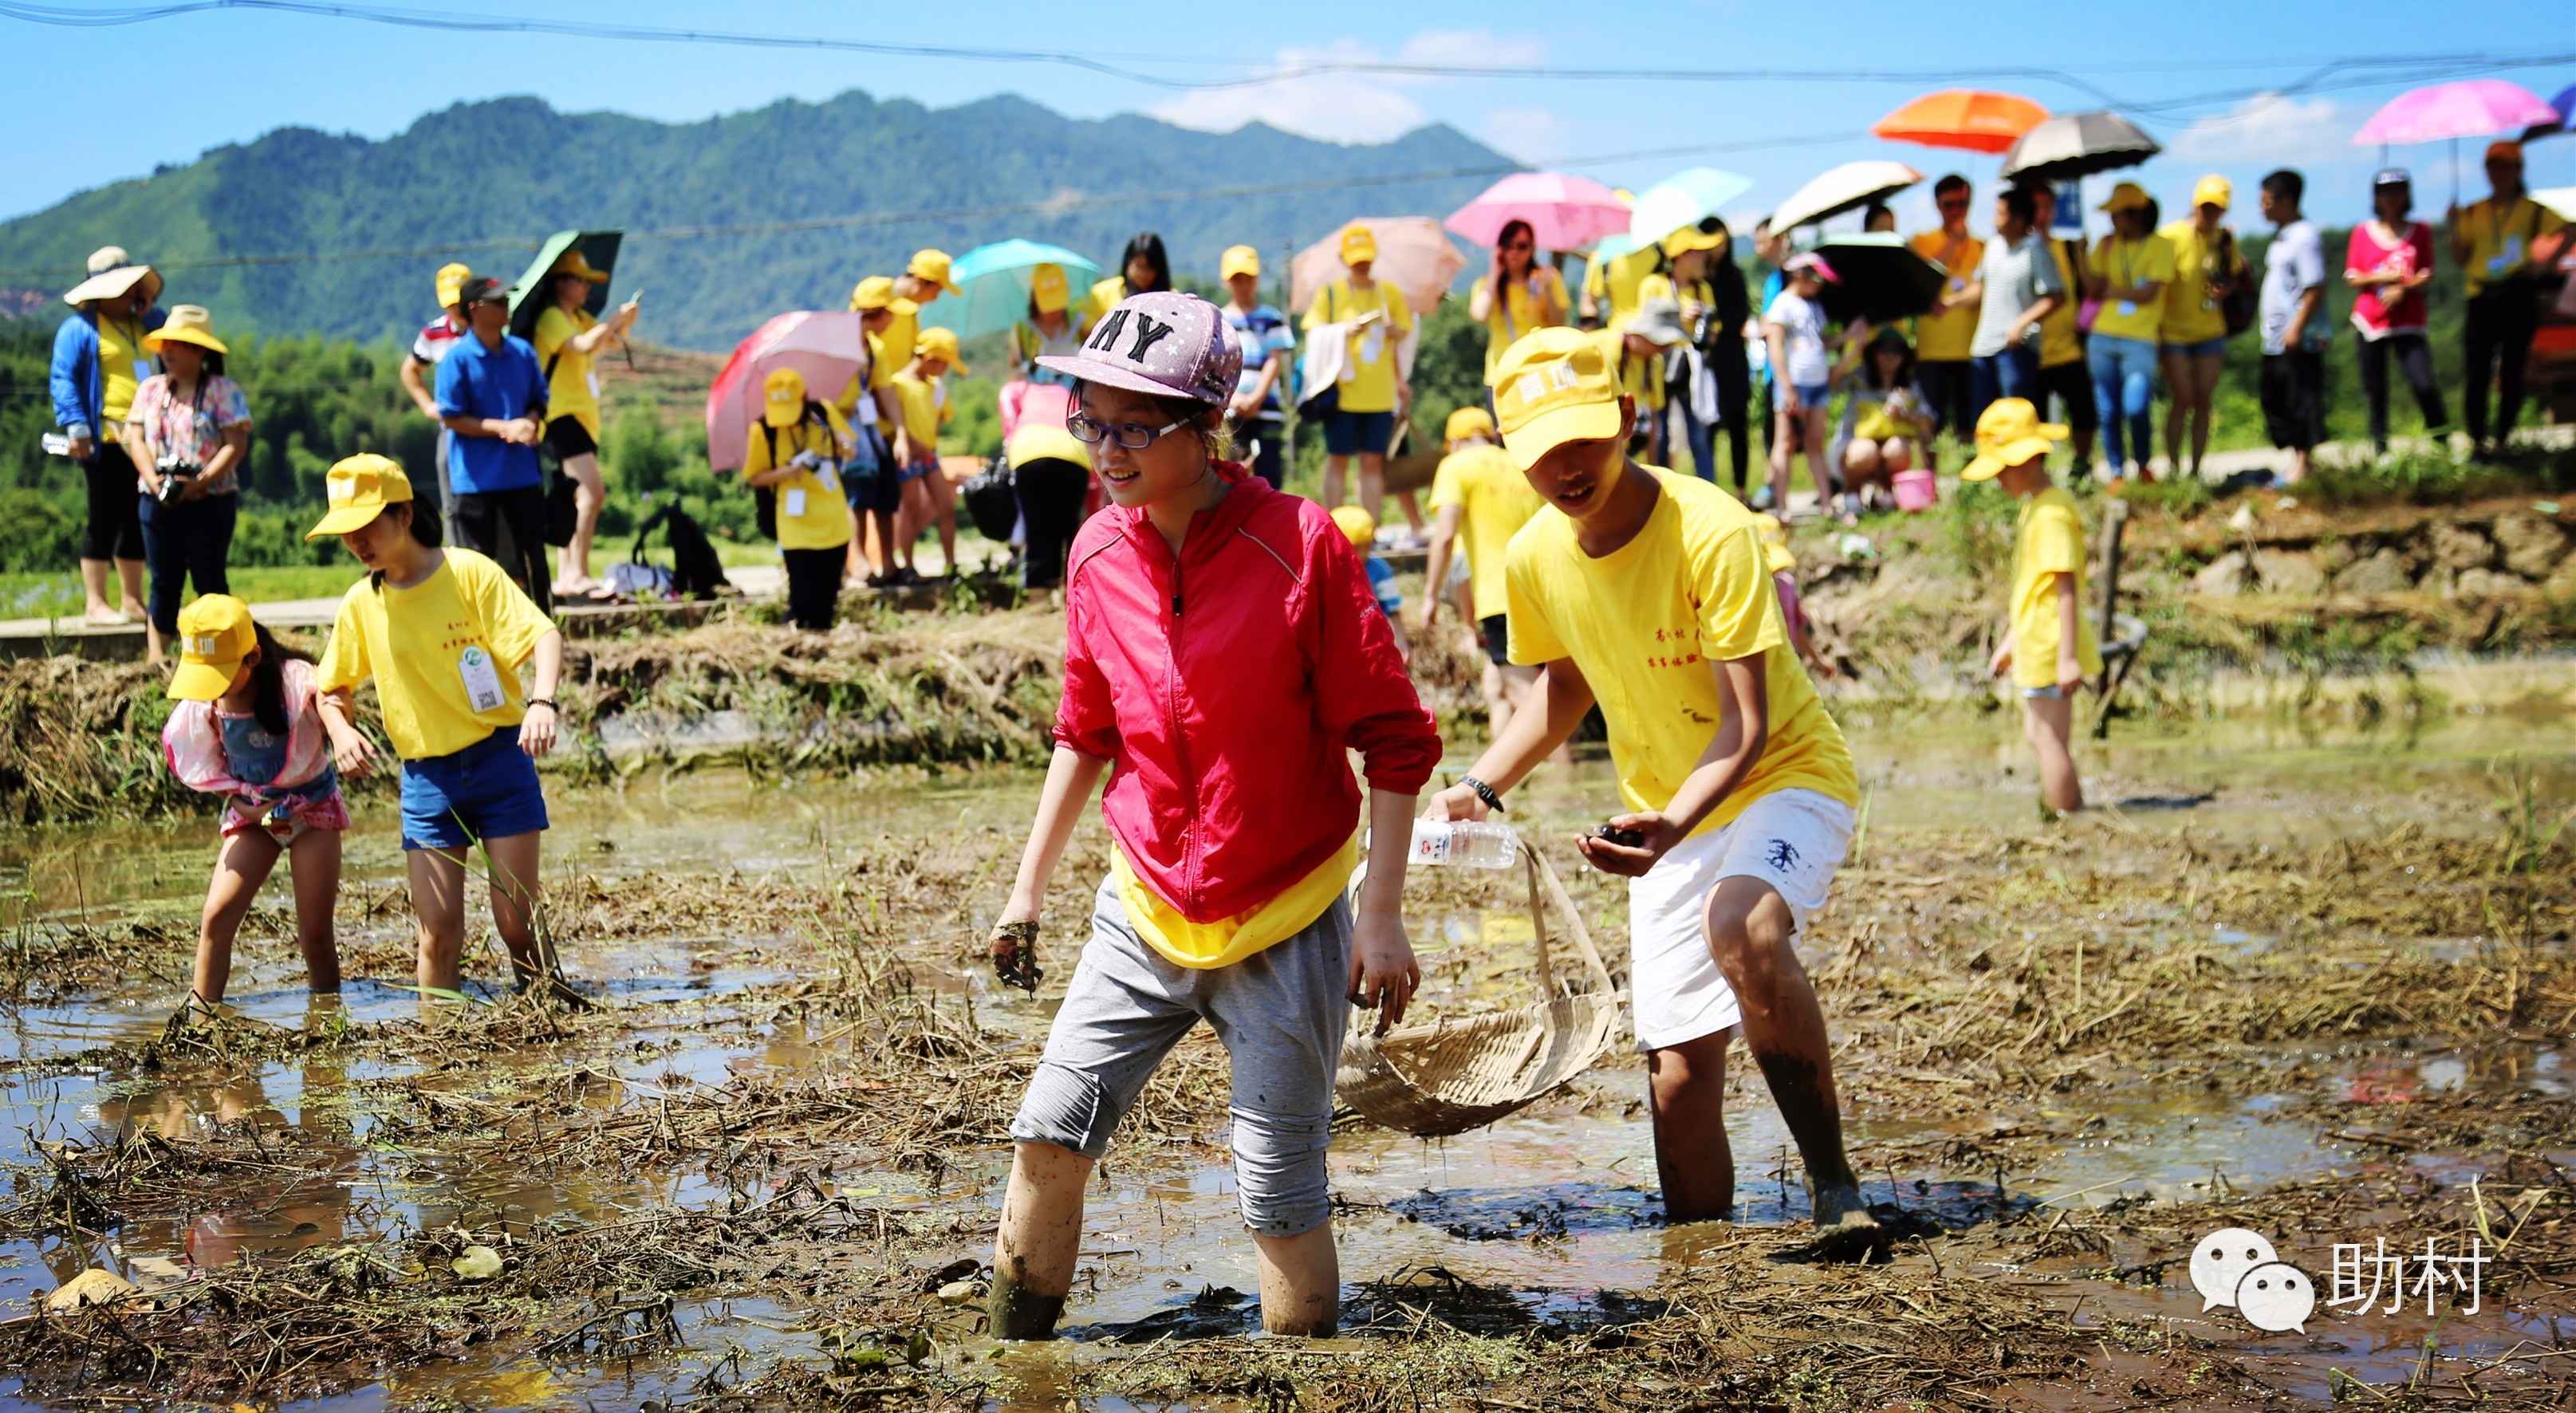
[1650, 593]
[2047, 645]
[927, 496]
[795, 452]
[1479, 498]
[1373, 391]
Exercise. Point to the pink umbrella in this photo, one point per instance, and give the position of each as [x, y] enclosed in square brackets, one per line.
[1565, 212]
[1413, 254]
[826, 349]
[2469, 108]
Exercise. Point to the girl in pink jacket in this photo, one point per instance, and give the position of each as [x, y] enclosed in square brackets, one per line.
[1223, 655]
[246, 728]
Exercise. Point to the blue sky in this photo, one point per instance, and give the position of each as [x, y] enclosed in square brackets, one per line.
[258, 71]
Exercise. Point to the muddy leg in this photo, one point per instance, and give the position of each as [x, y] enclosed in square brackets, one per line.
[1748, 931]
[438, 901]
[1041, 1233]
[316, 863]
[514, 901]
[2049, 722]
[1301, 1282]
[241, 866]
[1686, 1094]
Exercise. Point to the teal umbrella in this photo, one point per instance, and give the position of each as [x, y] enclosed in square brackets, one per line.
[993, 281]
[530, 297]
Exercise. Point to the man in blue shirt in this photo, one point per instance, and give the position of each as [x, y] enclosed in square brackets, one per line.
[492, 400]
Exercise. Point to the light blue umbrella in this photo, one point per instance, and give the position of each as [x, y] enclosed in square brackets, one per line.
[994, 280]
[1685, 198]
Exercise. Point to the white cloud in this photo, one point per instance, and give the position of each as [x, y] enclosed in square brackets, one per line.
[2269, 128]
[1533, 135]
[1358, 107]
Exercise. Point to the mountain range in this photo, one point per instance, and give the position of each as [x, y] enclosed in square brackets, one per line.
[355, 226]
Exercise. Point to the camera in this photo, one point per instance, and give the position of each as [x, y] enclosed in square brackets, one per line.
[174, 469]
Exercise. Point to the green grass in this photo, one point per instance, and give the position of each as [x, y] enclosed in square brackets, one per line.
[35, 594]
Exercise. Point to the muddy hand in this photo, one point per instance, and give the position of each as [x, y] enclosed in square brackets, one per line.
[1015, 954]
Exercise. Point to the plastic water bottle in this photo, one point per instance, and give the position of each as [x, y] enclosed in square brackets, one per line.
[1473, 845]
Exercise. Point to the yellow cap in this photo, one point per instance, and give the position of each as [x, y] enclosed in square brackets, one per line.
[1356, 525]
[1554, 386]
[1238, 260]
[2125, 196]
[573, 262]
[187, 323]
[2505, 150]
[359, 487]
[1358, 243]
[2009, 433]
[452, 278]
[932, 265]
[2213, 190]
[215, 634]
[1048, 289]
[939, 343]
[1690, 238]
[1468, 422]
[782, 396]
[874, 292]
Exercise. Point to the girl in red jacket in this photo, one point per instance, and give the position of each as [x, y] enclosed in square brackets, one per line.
[1223, 653]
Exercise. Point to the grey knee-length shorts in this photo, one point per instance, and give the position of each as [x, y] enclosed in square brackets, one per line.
[1281, 1014]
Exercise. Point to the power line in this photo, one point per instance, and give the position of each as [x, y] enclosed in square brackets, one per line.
[1120, 65]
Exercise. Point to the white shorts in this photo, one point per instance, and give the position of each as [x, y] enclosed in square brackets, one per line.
[1792, 840]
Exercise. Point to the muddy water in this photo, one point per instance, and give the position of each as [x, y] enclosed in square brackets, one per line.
[1555, 1206]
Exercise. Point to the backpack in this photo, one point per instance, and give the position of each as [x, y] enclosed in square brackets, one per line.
[2238, 304]
[696, 572]
[765, 498]
[992, 501]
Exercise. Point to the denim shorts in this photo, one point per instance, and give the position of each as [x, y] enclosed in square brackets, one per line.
[488, 790]
[915, 471]
[2206, 348]
[1813, 396]
[1352, 433]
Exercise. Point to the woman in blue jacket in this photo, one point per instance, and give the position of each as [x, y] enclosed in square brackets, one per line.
[99, 361]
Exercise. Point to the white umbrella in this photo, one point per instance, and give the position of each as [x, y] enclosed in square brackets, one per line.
[1847, 187]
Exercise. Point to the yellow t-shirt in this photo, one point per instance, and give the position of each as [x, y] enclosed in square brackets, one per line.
[2059, 341]
[2049, 542]
[1641, 376]
[1368, 378]
[812, 511]
[431, 648]
[1518, 312]
[1202, 945]
[1105, 295]
[925, 410]
[1944, 337]
[1613, 283]
[1648, 622]
[1494, 501]
[2124, 263]
[123, 364]
[2191, 314]
[573, 391]
[2500, 242]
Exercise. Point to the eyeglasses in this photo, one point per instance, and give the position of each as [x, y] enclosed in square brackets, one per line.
[1134, 436]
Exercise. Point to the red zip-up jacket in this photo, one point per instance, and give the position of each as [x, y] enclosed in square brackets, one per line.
[1224, 685]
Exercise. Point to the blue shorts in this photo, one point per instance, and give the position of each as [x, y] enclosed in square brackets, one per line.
[488, 790]
[915, 472]
[2206, 348]
[1813, 396]
[1351, 433]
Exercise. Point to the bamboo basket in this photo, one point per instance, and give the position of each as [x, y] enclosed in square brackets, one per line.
[1453, 1075]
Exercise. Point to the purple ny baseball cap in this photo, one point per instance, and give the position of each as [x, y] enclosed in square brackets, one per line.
[1164, 343]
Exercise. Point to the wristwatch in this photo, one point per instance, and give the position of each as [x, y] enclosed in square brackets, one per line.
[1485, 793]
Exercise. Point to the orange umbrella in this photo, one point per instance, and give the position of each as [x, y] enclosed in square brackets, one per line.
[1968, 118]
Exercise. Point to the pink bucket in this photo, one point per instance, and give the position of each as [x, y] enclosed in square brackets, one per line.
[1916, 490]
